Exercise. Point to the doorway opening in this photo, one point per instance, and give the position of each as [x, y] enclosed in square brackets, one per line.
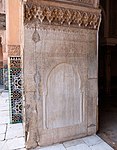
[108, 74]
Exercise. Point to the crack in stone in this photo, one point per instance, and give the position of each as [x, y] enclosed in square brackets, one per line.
[6, 131]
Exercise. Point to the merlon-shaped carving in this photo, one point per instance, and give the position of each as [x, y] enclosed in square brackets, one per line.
[60, 16]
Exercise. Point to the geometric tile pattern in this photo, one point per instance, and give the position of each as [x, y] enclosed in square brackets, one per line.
[5, 76]
[15, 89]
[1, 76]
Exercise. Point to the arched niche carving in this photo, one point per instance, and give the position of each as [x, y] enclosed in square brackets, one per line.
[64, 97]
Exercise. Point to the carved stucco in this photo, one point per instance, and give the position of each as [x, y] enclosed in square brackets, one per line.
[13, 50]
[52, 15]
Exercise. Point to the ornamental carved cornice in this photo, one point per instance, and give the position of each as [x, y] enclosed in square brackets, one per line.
[53, 15]
[13, 50]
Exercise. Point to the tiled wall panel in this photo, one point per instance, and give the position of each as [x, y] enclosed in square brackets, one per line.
[1, 76]
[15, 89]
[5, 75]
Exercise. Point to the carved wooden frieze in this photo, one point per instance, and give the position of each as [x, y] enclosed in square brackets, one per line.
[13, 50]
[51, 15]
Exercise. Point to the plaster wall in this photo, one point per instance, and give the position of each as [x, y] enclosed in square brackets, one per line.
[14, 20]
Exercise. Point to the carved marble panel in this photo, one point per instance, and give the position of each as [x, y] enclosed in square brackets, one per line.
[64, 101]
[57, 89]
[60, 39]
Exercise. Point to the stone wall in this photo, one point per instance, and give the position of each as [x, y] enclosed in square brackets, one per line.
[60, 74]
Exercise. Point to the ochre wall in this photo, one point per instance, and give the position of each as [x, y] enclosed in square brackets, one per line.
[13, 22]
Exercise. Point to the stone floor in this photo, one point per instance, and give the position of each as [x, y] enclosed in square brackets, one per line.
[108, 121]
[12, 137]
[87, 143]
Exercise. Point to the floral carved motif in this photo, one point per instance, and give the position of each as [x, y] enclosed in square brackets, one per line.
[13, 50]
[60, 16]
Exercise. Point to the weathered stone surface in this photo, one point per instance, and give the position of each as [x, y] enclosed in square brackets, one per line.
[62, 65]
[92, 60]
[62, 84]
[92, 102]
[65, 99]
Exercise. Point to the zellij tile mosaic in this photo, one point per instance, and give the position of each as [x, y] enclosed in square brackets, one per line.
[16, 89]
